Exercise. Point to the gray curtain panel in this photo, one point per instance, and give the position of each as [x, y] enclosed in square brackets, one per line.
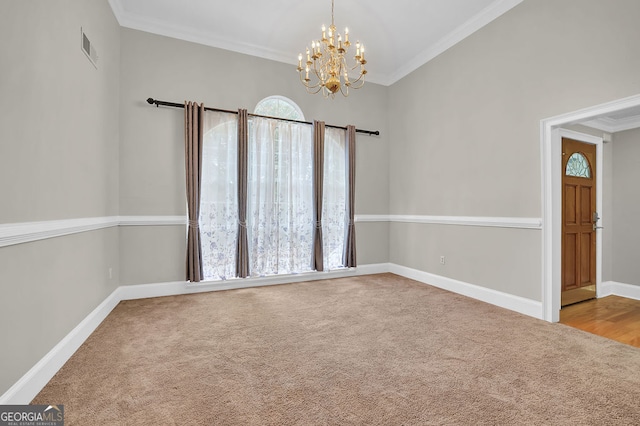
[242, 253]
[349, 258]
[193, 116]
[318, 177]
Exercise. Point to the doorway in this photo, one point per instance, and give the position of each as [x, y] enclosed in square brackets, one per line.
[551, 145]
[579, 221]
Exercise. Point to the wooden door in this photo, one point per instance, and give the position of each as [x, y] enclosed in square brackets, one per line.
[579, 219]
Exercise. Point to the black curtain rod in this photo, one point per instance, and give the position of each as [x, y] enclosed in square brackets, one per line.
[157, 103]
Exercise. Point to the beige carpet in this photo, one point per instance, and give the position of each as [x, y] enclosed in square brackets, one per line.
[370, 350]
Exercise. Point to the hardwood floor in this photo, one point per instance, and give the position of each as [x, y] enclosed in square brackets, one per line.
[613, 317]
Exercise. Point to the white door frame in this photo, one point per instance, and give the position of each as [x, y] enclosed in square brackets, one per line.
[551, 135]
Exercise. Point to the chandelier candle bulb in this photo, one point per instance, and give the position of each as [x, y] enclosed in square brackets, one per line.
[346, 36]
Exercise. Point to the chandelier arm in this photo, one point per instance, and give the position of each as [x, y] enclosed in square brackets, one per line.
[357, 80]
[344, 92]
[313, 92]
[309, 86]
[359, 86]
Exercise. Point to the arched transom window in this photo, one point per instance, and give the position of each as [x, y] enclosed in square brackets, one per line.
[578, 166]
[279, 106]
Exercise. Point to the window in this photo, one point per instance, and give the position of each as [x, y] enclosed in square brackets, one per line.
[578, 166]
[279, 193]
[219, 196]
[334, 198]
[279, 106]
[280, 197]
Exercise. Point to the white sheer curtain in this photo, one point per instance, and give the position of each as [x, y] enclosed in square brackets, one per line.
[280, 215]
[334, 198]
[218, 202]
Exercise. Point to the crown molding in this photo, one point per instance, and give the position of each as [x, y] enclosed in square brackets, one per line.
[142, 23]
[117, 9]
[612, 125]
[491, 12]
[154, 26]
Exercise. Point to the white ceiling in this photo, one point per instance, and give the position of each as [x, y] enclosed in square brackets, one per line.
[399, 35]
[619, 121]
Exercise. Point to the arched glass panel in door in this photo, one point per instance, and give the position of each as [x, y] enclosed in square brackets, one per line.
[578, 166]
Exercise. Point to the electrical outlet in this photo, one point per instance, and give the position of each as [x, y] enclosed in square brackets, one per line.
[442, 260]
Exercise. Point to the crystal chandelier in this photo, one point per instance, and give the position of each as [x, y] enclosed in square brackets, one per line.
[328, 66]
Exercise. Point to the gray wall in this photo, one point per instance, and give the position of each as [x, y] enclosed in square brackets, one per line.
[151, 147]
[626, 207]
[460, 136]
[58, 160]
[465, 131]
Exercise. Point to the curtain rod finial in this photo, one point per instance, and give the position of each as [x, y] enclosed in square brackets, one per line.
[151, 101]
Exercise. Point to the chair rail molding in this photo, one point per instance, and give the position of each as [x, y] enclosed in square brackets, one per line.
[24, 232]
[486, 221]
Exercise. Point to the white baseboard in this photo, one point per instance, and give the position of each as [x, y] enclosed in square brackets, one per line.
[519, 304]
[25, 389]
[612, 288]
[143, 291]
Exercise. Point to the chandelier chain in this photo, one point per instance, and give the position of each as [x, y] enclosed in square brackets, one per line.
[332, 23]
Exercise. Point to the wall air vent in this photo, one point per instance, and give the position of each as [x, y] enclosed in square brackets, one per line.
[88, 48]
